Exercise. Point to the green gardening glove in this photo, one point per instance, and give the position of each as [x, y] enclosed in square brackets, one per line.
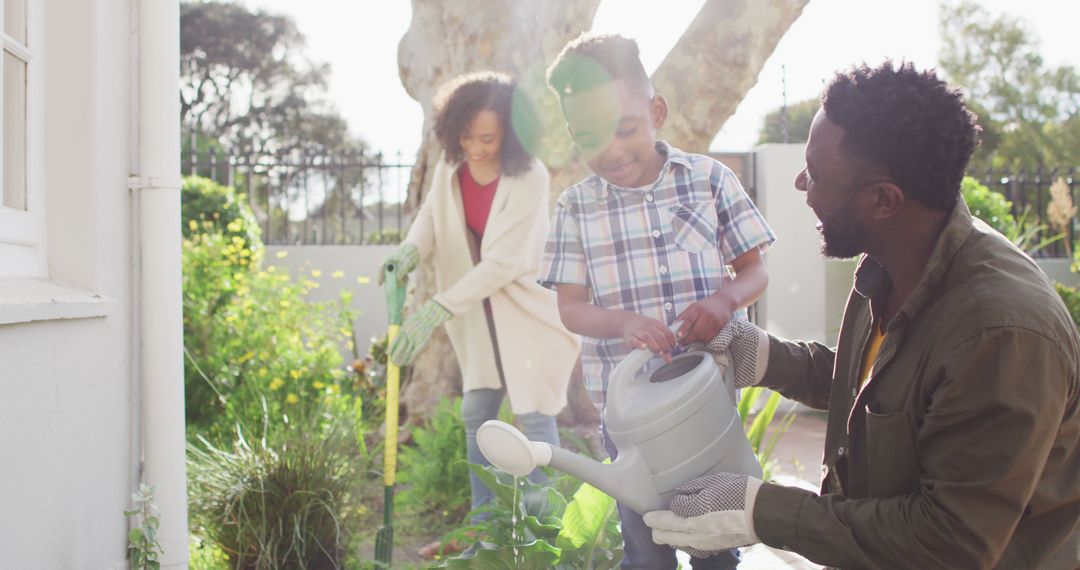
[416, 332]
[405, 257]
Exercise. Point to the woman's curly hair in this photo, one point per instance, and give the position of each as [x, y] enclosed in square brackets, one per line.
[907, 122]
[458, 102]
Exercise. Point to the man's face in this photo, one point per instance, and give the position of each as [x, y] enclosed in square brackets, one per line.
[615, 129]
[832, 181]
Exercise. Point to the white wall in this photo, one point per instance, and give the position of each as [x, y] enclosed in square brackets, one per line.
[65, 385]
[793, 305]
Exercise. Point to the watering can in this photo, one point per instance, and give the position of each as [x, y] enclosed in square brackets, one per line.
[672, 425]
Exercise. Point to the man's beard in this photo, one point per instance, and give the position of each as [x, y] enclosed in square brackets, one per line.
[842, 236]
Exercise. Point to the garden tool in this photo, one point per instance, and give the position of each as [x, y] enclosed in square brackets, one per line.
[670, 426]
[395, 300]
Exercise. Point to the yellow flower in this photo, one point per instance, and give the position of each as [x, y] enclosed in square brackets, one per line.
[282, 254]
[319, 385]
[193, 225]
[316, 273]
[272, 268]
[292, 398]
[294, 374]
[276, 383]
[338, 274]
[263, 371]
[363, 280]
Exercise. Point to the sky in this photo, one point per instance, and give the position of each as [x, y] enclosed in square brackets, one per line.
[359, 40]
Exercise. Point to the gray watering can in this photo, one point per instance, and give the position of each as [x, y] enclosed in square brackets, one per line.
[670, 426]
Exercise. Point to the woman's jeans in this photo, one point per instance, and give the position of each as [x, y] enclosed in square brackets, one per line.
[481, 405]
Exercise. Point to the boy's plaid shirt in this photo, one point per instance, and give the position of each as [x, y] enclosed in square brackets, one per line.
[653, 250]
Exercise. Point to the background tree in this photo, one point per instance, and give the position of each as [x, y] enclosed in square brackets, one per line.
[247, 90]
[1028, 110]
[799, 117]
[704, 77]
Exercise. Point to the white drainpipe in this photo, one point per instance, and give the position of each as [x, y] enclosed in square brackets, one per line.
[157, 182]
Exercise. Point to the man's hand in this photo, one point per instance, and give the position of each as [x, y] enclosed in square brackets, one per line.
[643, 332]
[416, 332]
[705, 318]
[405, 259]
[708, 515]
[744, 346]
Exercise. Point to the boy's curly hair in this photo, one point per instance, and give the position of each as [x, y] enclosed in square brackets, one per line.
[907, 122]
[458, 102]
[593, 59]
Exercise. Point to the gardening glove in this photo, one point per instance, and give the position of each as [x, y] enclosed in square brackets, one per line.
[743, 345]
[708, 515]
[416, 332]
[406, 257]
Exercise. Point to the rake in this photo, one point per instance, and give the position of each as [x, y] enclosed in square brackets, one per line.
[395, 299]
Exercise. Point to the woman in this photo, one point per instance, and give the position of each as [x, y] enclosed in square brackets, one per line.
[485, 220]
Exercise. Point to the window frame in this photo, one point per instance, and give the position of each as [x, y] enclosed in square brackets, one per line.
[22, 232]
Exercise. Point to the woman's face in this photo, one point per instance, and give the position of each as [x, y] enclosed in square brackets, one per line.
[482, 140]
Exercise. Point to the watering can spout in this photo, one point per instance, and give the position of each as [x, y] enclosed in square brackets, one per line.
[508, 449]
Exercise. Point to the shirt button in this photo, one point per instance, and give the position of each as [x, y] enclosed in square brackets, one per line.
[648, 197]
[663, 269]
[668, 306]
[656, 233]
[840, 451]
[854, 392]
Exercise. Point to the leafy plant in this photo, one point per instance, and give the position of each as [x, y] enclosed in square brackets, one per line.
[434, 471]
[386, 236]
[546, 532]
[987, 205]
[757, 426]
[279, 502]
[143, 547]
[1071, 297]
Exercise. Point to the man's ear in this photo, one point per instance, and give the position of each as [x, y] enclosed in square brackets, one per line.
[658, 110]
[888, 199]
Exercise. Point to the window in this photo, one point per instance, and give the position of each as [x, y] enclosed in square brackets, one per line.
[21, 217]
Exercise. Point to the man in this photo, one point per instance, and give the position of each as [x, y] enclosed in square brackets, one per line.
[952, 391]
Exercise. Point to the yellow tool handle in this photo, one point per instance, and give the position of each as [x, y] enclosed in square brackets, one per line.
[392, 386]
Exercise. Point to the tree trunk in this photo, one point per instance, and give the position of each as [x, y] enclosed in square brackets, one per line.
[714, 64]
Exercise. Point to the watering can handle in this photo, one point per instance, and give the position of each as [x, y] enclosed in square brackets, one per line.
[395, 293]
[628, 368]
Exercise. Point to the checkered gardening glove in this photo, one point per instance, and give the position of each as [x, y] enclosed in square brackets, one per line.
[742, 344]
[416, 331]
[708, 515]
[405, 257]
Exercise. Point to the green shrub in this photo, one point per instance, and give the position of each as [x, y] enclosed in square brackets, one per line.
[206, 206]
[434, 470]
[279, 502]
[387, 236]
[548, 532]
[987, 205]
[1071, 297]
[254, 346]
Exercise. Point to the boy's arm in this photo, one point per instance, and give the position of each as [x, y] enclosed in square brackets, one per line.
[582, 317]
[704, 319]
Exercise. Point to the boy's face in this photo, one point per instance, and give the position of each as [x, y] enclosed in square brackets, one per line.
[615, 128]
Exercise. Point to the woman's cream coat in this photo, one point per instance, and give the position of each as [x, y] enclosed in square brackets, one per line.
[537, 352]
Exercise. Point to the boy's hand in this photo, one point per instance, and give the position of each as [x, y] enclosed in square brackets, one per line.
[643, 332]
[704, 319]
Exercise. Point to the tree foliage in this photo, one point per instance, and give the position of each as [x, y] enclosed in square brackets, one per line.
[245, 83]
[799, 117]
[1029, 110]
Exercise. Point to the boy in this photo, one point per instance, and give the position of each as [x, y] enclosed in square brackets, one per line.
[644, 241]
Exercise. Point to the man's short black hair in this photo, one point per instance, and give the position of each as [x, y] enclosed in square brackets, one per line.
[591, 60]
[908, 123]
[462, 98]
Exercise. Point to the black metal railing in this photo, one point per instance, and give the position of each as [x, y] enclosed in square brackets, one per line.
[1029, 192]
[351, 199]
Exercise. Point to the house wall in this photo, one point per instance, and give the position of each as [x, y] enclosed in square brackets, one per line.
[66, 383]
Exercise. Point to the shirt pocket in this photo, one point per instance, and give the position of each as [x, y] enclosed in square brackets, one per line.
[695, 225]
[892, 462]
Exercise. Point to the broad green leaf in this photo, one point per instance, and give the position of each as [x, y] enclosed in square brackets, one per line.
[536, 555]
[135, 535]
[585, 516]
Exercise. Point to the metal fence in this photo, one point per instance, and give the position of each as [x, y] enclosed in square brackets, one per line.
[1029, 192]
[351, 199]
